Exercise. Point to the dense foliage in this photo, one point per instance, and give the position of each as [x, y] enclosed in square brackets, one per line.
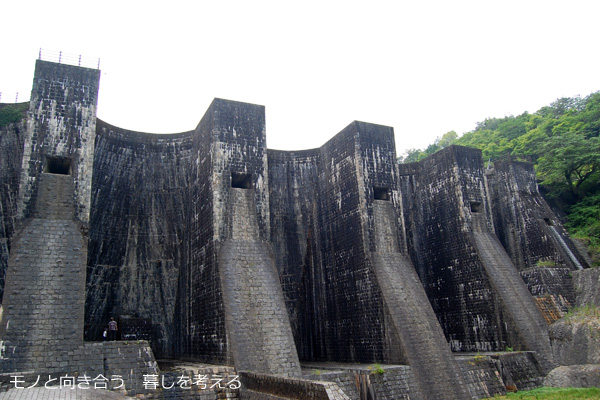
[10, 113]
[562, 140]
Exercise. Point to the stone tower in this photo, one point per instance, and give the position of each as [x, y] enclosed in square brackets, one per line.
[42, 322]
[60, 133]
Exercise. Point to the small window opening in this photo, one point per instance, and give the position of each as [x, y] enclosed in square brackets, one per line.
[58, 165]
[475, 207]
[241, 181]
[381, 193]
[548, 221]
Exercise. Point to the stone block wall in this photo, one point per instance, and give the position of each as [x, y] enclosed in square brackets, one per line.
[534, 237]
[293, 191]
[61, 123]
[42, 321]
[356, 177]
[118, 366]
[160, 211]
[261, 386]
[552, 287]
[585, 285]
[348, 304]
[525, 224]
[482, 376]
[486, 375]
[378, 176]
[468, 276]
[440, 194]
[139, 230]
[229, 150]
[393, 382]
[322, 231]
[420, 339]
[200, 316]
[258, 326]
[521, 370]
[11, 156]
[321, 236]
[122, 363]
[239, 150]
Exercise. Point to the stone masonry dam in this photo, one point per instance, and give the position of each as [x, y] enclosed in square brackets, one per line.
[211, 248]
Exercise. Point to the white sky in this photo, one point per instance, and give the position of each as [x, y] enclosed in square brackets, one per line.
[423, 67]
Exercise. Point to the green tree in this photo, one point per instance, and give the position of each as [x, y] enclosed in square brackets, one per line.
[568, 162]
[10, 113]
[447, 139]
[412, 155]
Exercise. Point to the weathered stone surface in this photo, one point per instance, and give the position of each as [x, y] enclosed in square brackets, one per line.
[520, 370]
[293, 201]
[139, 230]
[525, 224]
[586, 284]
[483, 376]
[467, 275]
[576, 340]
[420, 339]
[43, 306]
[321, 229]
[437, 197]
[258, 326]
[552, 289]
[62, 123]
[262, 386]
[574, 376]
[11, 155]
[42, 322]
[529, 324]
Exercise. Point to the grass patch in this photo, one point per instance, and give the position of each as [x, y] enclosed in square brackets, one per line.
[547, 393]
[545, 263]
[583, 313]
[376, 369]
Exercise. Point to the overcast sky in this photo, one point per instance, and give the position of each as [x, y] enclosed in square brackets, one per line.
[422, 67]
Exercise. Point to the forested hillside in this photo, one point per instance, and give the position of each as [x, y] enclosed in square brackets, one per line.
[562, 140]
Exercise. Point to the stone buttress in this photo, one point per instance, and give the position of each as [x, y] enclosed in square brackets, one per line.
[475, 289]
[42, 321]
[534, 237]
[234, 252]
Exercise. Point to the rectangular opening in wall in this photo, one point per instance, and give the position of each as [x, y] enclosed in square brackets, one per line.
[241, 181]
[57, 165]
[381, 193]
[475, 207]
